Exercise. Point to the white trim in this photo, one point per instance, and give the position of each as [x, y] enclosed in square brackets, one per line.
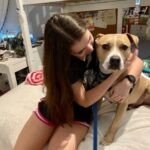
[119, 20]
[25, 33]
[31, 2]
[101, 5]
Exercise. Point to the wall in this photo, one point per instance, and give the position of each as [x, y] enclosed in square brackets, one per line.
[36, 15]
[105, 4]
[11, 23]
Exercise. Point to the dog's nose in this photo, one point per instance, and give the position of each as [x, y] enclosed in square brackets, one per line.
[115, 62]
[115, 59]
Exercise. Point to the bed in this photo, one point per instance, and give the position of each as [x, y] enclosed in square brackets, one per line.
[18, 104]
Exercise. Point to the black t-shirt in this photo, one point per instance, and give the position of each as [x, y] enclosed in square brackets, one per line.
[86, 71]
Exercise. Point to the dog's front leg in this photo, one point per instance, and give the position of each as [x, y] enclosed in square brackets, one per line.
[109, 137]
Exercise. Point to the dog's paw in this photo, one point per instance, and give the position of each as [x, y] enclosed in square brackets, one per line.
[103, 142]
[106, 140]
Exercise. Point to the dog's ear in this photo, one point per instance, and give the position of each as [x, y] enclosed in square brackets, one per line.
[98, 37]
[136, 39]
[133, 39]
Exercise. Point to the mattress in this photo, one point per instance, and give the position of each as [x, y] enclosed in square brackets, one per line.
[18, 104]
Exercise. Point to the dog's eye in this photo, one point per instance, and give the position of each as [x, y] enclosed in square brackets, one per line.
[106, 46]
[124, 47]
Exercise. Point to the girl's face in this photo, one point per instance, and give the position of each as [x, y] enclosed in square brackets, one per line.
[83, 47]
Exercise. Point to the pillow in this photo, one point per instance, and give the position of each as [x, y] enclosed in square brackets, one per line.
[35, 78]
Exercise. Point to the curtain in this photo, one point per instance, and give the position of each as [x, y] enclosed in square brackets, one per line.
[3, 12]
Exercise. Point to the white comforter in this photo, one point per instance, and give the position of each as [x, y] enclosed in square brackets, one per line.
[17, 105]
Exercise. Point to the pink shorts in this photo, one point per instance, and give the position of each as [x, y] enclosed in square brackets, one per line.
[81, 114]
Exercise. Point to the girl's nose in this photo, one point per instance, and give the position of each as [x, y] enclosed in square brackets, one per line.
[89, 48]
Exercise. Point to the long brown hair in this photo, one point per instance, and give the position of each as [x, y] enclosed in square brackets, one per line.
[61, 32]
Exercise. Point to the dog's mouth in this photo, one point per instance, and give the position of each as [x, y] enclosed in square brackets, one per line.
[114, 67]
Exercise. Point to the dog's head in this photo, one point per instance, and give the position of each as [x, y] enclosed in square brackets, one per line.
[113, 50]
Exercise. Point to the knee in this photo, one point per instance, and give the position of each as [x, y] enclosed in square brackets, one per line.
[63, 144]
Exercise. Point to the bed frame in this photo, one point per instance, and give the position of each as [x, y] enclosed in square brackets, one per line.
[74, 6]
[25, 28]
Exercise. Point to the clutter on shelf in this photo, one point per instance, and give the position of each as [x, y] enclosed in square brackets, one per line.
[5, 54]
[137, 23]
[16, 44]
[13, 46]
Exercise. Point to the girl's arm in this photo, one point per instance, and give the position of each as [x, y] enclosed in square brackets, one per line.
[135, 68]
[87, 98]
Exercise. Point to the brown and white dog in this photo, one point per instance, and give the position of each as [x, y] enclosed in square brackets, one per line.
[112, 52]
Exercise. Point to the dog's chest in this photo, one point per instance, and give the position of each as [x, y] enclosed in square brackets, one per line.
[93, 78]
[92, 75]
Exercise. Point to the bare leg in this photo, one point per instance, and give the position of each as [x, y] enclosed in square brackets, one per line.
[67, 137]
[34, 135]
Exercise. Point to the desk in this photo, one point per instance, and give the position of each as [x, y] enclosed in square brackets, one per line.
[11, 66]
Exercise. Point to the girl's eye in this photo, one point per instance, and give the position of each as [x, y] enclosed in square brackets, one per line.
[124, 47]
[106, 46]
[81, 52]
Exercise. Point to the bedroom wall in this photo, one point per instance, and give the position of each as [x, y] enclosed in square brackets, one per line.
[36, 15]
[105, 4]
[11, 22]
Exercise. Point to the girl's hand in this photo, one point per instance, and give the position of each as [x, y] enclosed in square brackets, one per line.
[120, 91]
[131, 57]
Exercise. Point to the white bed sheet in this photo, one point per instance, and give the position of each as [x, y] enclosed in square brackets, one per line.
[133, 134]
[17, 105]
[15, 108]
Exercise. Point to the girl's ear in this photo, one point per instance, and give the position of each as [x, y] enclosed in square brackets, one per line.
[97, 38]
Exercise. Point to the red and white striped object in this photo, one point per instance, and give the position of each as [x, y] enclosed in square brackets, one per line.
[35, 78]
